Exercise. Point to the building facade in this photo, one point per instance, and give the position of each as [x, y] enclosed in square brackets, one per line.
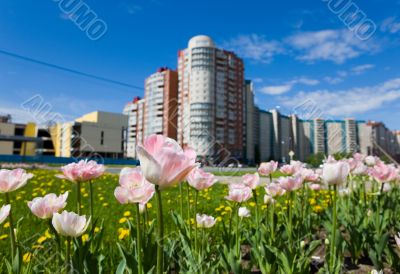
[96, 134]
[206, 104]
[24, 139]
[157, 113]
[211, 100]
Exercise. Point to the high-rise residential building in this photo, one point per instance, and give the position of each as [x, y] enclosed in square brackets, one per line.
[135, 111]
[206, 104]
[211, 100]
[250, 124]
[157, 113]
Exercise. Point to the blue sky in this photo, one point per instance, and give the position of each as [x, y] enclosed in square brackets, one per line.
[295, 51]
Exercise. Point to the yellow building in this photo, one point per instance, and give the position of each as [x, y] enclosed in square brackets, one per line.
[96, 133]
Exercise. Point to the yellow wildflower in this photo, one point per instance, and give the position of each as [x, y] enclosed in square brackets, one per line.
[127, 213]
[27, 257]
[123, 233]
[2, 237]
[6, 225]
[41, 239]
[123, 220]
[228, 208]
[85, 237]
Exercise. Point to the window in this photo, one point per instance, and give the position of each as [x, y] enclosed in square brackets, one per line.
[102, 138]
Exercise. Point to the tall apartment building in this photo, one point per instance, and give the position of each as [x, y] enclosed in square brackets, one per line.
[157, 113]
[207, 104]
[135, 132]
[211, 100]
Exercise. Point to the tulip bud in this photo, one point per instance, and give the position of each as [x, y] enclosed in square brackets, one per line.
[326, 241]
[302, 244]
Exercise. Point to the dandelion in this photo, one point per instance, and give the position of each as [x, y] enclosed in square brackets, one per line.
[26, 258]
[4, 236]
[123, 220]
[123, 233]
[85, 237]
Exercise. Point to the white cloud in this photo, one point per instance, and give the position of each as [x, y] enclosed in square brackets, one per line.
[305, 81]
[390, 25]
[336, 46]
[18, 114]
[333, 80]
[254, 47]
[330, 45]
[361, 69]
[358, 100]
[286, 87]
[276, 90]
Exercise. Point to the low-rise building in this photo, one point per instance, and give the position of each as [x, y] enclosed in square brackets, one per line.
[96, 134]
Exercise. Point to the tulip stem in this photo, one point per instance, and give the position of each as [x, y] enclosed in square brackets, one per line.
[181, 200]
[272, 216]
[188, 209]
[68, 254]
[138, 241]
[12, 234]
[203, 243]
[334, 224]
[195, 212]
[290, 223]
[257, 213]
[237, 237]
[91, 202]
[57, 238]
[160, 232]
[78, 197]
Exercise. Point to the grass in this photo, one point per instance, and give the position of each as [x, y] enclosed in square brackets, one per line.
[33, 232]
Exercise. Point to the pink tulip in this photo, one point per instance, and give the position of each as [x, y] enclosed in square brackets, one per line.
[163, 161]
[288, 169]
[274, 190]
[353, 163]
[243, 212]
[239, 193]
[372, 160]
[315, 187]
[251, 180]
[4, 212]
[11, 180]
[82, 171]
[45, 207]
[199, 179]
[205, 221]
[384, 173]
[266, 169]
[309, 175]
[269, 200]
[335, 173]
[290, 183]
[330, 160]
[360, 169]
[134, 188]
[358, 157]
[70, 224]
